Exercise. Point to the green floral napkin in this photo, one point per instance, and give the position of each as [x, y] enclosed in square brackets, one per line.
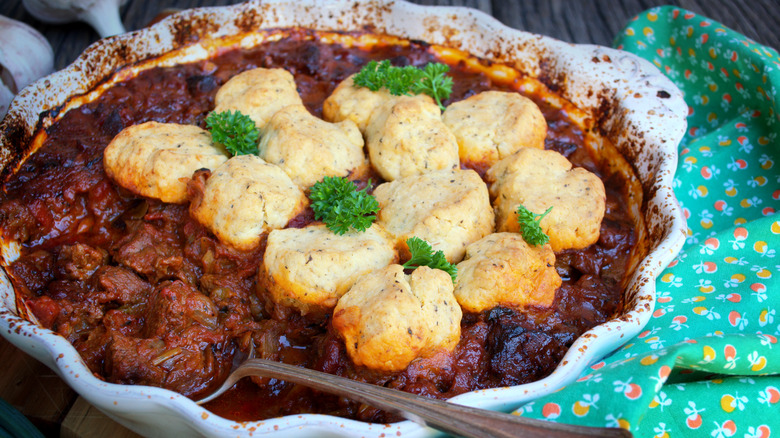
[708, 362]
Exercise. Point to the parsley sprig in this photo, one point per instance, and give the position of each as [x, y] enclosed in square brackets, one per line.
[337, 202]
[431, 80]
[234, 130]
[435, 82]
[423, 255]
[529, 225]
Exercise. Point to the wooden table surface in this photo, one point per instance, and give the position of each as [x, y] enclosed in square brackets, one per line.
[58, 411]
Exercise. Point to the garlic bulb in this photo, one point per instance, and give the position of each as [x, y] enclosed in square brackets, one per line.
[6, 96]
[102, 15]
[25, 56]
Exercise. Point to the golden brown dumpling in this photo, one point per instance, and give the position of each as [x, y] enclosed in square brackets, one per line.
[539, 179]
[388, 319]
[157, 159]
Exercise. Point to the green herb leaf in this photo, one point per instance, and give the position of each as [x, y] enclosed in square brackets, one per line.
[435, 83]
[234, 130]
[431, 80]
[401, 80]
[529, 225]
[372, 75]
[423, 255]
[337, 202]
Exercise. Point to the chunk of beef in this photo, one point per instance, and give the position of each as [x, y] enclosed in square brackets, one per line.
[119, 285]
[471, 361]
[79, 261]
[92, 348]
[191, 363]
[18, 222]
[155, 254]
[180, 345]
[587, 303]
[32, 272]
[113, 124]
[520, 353]
[230, 295]
[45, 309]
[200, 85]
[228, 277]
[127, 320]
[309, 54]
[175, 306]
[128, 360]
[67, 308]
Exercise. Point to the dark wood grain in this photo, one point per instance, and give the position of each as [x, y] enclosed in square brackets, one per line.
[599, 21]
[577, 21]
[34, 389]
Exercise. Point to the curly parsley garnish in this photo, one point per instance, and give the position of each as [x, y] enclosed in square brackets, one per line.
[431, 80]
[529, 225]
[435, 82]
[423, 255]
[337, 202]
[234, 130]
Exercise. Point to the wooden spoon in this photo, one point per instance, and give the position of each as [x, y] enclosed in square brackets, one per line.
[448, 417]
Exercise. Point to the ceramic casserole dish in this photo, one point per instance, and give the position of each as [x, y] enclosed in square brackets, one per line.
[624, 98]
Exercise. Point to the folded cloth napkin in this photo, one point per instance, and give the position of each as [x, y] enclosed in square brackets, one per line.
[708, 362]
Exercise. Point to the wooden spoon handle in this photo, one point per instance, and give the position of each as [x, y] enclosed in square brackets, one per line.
[449, 417]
